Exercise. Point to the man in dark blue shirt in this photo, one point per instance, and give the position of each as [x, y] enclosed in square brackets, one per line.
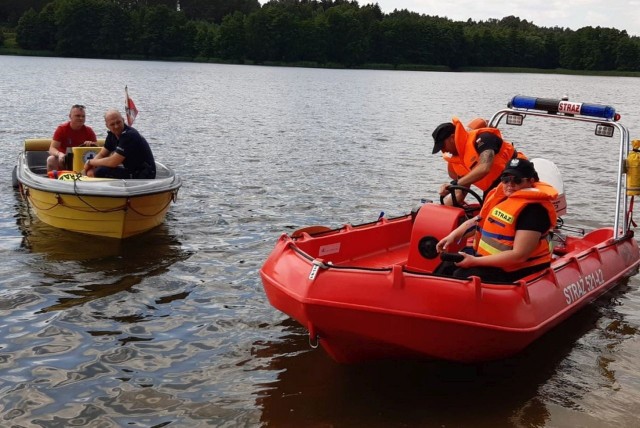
[126, 154]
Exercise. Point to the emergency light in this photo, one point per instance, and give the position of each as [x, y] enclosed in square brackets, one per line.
[555, 106]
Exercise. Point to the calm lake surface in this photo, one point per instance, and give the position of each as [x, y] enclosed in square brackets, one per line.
[172, 328]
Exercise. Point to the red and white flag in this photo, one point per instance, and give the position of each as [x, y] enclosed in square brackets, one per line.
[129, 108]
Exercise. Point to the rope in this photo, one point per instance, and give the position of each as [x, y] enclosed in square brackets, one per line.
[127, 205]
[171, 199]
[630, 214]
[30, 200]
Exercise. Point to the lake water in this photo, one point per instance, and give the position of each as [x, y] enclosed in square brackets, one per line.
[172, 328]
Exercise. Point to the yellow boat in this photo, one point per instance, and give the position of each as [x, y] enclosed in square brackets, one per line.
[112, 208]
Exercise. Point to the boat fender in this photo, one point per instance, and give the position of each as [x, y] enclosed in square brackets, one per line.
[14, 177]
[633, 169]
[427, 247]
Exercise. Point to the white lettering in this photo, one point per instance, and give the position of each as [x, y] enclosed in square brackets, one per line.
[583, 285]
[569, 107]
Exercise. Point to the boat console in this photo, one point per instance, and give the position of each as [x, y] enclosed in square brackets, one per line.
[80, 156]
[432, 223]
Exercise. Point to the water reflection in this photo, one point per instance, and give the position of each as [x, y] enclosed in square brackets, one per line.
[57, 245]
[90, 315]
[312, 390]
[87, 268]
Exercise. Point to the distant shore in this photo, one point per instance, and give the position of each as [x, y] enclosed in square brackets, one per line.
[311, 64]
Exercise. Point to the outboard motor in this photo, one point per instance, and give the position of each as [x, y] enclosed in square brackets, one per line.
[549, 173]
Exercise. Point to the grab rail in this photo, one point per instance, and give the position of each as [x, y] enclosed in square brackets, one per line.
[609, 120]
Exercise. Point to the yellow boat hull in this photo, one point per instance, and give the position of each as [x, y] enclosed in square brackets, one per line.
[113, 217]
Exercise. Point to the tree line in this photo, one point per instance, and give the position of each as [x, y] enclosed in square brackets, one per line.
[312, 32]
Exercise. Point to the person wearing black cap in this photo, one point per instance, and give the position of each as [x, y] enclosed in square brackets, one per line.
[474, 157]
[512, 230]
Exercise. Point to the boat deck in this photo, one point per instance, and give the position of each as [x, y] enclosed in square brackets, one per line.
[381, 259]
[398, 255]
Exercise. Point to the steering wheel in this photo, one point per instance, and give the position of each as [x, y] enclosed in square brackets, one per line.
[452, 191]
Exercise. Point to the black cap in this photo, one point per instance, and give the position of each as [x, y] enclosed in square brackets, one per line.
[441, 133]
[520, 168]
[488, 138]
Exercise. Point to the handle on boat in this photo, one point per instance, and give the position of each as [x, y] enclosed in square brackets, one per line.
[451, 257]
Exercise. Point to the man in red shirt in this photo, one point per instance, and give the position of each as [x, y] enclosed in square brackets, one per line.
[73, 133]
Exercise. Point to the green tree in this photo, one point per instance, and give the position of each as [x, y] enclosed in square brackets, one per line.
[27, 30]
[552, 39]
[205, 39]
[592, 49]
[527, 49]
[163, 32]
[111, 38]
[394, 37]
[76, 27]
[12, 10]
[628, 55]
[346, 42]
[259, 35]
[231, 41]
[215, 11]
[37, 31]
[450, 48]
[273, 33]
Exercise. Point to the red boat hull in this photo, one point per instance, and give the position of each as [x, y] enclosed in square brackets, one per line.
[366, 292]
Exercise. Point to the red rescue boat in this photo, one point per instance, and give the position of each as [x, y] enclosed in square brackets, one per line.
[374, 290]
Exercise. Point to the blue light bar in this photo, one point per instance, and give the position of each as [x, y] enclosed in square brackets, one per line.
[563, 106]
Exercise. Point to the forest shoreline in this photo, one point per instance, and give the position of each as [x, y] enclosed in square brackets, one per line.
[311, 64]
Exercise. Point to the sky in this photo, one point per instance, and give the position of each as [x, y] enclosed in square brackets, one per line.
[572, 14]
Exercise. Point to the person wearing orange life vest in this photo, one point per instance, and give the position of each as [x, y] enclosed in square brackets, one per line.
[474, 156]
[512, 230]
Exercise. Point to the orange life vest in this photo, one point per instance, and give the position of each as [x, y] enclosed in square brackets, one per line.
[498, 228]
[468, 156]
[57, 174]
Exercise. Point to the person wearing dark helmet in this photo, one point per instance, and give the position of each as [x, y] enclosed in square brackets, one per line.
[512, 231]
[474, 157]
